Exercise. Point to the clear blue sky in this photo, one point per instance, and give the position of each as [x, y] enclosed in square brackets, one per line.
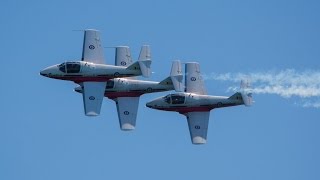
[45, 135]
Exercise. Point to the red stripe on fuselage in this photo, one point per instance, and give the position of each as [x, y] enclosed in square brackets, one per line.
[183, 110]
[112, 95]
[78, 79]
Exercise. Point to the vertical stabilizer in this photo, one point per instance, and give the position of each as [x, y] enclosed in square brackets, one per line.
[246, 92]
[193, 79]
[176, 76]
[123, 56]
[145, 60]
[92, 50]
[145, 53]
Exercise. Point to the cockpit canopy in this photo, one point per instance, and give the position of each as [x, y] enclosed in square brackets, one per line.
[70, 67]
[174, 99]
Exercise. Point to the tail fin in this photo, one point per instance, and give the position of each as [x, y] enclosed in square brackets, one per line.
[92, 50]
[236, 96]
[166, 81]
[246, 93]
[145, 60]
[176, 76]
[145, 53]
[193, 79]
[123, 56]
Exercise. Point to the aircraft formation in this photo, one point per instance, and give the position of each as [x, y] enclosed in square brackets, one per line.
[119, 83]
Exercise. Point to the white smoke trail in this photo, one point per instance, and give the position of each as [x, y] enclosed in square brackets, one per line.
[286, 83]
[311, 104]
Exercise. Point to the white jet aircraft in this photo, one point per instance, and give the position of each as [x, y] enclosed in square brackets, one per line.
[196, 105]
[92, 73]
[127, 91]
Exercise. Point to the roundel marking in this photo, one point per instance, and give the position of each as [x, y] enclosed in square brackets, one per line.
[91, 47]
[197, 127]
[123, 63]
[193, 79]
[126, 112]
[92, 98]
[116, 74]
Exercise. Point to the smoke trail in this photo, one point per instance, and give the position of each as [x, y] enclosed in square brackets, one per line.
[286, 83]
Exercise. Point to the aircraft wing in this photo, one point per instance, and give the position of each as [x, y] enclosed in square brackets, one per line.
[92, 50]
[93, 93]
[193, 79]
[123, 56]
[127, 108]
[198, 126]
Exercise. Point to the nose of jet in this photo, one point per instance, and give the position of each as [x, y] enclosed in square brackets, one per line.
[149, 104]
[78, 89]
[50, 71]
[156, 103]
[44, 72]
[153, 104]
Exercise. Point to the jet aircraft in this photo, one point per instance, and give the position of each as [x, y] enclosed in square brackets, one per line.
[127, 91]
[196, 105]
[92, 73]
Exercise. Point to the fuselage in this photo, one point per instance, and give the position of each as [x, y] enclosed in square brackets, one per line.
[189, 102]
[81, 71]
[125, 87]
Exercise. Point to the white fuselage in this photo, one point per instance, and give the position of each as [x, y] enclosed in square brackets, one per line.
[124, 87]
[189, 102]
[81, 71]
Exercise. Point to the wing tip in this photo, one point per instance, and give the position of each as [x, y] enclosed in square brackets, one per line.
[197, 140]
[127, 127]
[91, 29]
[92, 113]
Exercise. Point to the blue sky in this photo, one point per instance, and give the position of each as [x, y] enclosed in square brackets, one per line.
[45, 135]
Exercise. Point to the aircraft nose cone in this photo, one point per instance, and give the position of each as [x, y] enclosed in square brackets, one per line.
[44, 72]
[149, 104]
[78, 89]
